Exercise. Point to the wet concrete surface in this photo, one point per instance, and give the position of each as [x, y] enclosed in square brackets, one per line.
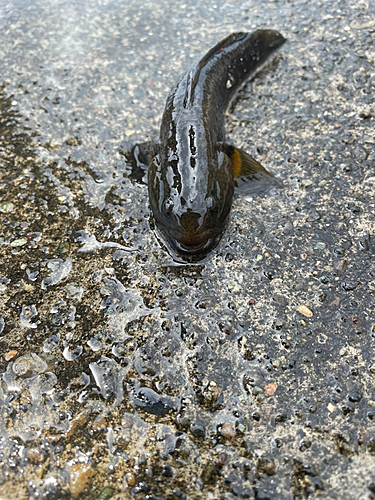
[126, 375]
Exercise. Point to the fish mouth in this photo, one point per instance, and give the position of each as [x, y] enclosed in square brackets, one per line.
[181, 248]
[192, 249]
[198, 244]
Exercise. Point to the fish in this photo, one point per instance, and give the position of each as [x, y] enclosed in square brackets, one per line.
[193, 171]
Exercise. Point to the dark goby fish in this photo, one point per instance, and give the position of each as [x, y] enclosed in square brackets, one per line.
[191, 177]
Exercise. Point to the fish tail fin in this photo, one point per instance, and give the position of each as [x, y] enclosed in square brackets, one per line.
[270, 38]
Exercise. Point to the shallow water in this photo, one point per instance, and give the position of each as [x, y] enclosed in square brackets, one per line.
[128, 375]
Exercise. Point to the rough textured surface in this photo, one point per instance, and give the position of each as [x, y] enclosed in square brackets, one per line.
[125, 375]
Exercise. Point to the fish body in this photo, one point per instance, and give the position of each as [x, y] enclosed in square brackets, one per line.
[191, 178]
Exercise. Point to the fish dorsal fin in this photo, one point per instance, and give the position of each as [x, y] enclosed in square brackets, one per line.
[194, 73]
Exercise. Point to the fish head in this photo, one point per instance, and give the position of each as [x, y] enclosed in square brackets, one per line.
[191, 208]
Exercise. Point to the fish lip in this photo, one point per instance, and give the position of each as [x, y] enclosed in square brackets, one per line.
[192, 249]
[184, 253]
[176, 243]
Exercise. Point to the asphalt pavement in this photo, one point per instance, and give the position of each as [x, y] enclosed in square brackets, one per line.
[128, 375]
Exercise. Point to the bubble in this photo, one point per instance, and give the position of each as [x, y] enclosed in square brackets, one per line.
[71, 355]
[27, 313]
[60, 270]
[27, 364]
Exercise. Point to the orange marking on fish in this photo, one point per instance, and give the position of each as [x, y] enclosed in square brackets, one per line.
[236, 162]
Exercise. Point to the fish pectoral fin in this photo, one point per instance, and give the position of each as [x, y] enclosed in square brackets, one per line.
[144, 152]
[250, 177]
[245, 165]
[139, 159]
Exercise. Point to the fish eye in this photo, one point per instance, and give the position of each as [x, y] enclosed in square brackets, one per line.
[168, 206]
[209, 202]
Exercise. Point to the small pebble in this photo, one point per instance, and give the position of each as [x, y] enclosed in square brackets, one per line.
[228, 430]
[106, 494]
[348, 286]
[80, 473]
[130, 478]
[64, 247]
[341, 265]
[10, 355]
[197, 430]
[257, 390]
[39, 472]
[221, 459]
[19, 243]
[305, 311]
[270, 389]
[35, 455]
[6, 206]
[320, 246]
[167, 471]
[330, 408]
[212, 392]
